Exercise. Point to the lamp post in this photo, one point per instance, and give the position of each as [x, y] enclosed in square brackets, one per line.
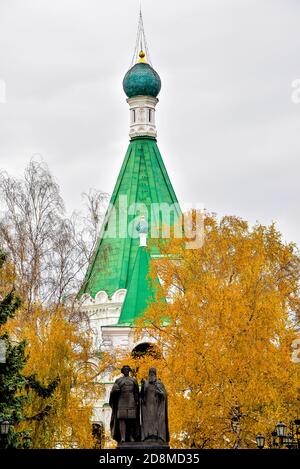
[281, 433]
[27, 441]
[280, 438]
[4, 429]
[297, 432]
[260, 441]
[289, 441]
[274, 437]
[2, 351]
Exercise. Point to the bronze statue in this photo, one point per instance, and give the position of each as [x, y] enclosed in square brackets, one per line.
[124, 401]
[154, 409]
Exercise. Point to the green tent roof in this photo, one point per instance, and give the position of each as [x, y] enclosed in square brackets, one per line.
[142, 179]
[140, 290]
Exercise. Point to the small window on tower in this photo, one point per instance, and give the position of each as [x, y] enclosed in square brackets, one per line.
[133, 115]
[150, 115]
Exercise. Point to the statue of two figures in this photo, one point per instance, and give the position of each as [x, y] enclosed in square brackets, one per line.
[139, 416]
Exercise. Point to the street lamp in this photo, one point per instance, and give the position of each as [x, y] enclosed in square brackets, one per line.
[297, 432]
[260, 441]
[27, 441]
[274, 436]
[281, 433]
[2, 351]
[289, 441]
[4, 427]
[279, 437]
[281, 429]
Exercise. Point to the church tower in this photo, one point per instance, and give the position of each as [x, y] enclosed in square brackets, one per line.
[116, 289]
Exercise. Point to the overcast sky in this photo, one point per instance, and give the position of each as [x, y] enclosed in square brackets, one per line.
[228, 130]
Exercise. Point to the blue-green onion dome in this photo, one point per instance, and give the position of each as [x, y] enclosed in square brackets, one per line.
[141, 80]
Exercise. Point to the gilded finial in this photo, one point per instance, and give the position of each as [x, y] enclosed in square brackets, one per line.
[142, 56]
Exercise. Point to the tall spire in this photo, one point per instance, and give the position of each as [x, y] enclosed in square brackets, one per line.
[141, 51]
[143, 182]
[142, 85]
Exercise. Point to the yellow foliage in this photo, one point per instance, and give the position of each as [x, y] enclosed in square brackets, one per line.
[227, 338]
[58, 348]
[7, 278]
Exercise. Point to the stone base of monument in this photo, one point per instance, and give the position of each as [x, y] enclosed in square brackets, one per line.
[144, 445]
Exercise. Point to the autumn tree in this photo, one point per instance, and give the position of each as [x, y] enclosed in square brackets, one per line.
[226, 335]
[13, 380]
[49, 382]
[56, 378]
[59, 351]
[50, 250]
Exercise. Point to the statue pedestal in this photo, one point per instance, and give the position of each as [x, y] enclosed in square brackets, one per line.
[144, 445]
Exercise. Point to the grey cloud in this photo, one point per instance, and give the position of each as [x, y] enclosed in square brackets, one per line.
[228, 131]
